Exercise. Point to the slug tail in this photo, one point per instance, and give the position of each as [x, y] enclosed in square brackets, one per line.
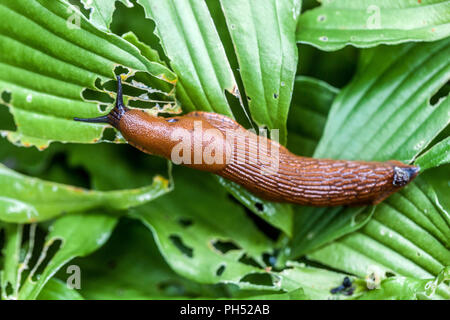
[113, 118]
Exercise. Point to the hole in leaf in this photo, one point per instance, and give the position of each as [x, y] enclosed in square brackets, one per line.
[6, 96]
[185, 222]
[259, 206]
[46, 256]
[6, 119]
[220, 270]
[94, 95]
[389, 274]
[103, 107]
[177, 242]
[118, 70]
[440, 94]
[275, 96]
[98, 84]
[245, 259]
[109, 134]
[224, 246]
[263, 279]
[80, 7]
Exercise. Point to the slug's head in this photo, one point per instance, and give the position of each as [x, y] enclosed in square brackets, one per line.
[401, 175]
[113, 118]
[404, 174]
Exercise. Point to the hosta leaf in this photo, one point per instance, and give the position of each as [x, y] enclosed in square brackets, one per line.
[24, 199]
[79, 235]
[130, 266]
[438, 155]
[202, 234]
[311, 102]
[48, 56]
[408, 235]
[190, 40]
[383, 114]
[263, 35]
[368, 23]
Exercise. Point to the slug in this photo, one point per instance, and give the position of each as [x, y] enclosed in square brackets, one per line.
[215, 143]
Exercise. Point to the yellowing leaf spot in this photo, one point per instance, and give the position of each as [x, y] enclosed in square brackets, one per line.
[163, 77]
[162, 180]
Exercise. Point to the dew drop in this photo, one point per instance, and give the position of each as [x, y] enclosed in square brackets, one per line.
[29, 98]
[323, 38]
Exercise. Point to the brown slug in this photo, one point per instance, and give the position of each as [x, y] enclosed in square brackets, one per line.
[215, 143]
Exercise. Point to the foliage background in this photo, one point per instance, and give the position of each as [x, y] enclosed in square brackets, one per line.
[341, 79]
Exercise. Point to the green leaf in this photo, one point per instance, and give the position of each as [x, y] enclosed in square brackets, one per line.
[202, 234]
[438, 155]
[263, 35]
[190, 40]
[48, 56]
[369, 23]
[55, 289]
[130, 266]
[408, 235]
[24, 199]
[279, 215]
[79, 235]
[311, 102]
[383, 114]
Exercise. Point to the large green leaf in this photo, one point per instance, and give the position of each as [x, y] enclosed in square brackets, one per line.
[408, 235]
[24, 199]
[368, 23]
[48, 57]
[80, 234]
[201, 233]
[311, 102]
[190, 40]
[263, 33]
[130, 266]
[383, 114]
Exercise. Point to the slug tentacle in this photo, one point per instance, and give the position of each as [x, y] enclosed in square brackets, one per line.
[114, 116]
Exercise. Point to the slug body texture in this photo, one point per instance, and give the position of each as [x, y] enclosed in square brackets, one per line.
[259, 164]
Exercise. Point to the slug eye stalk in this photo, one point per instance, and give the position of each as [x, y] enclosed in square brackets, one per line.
[113, 118]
